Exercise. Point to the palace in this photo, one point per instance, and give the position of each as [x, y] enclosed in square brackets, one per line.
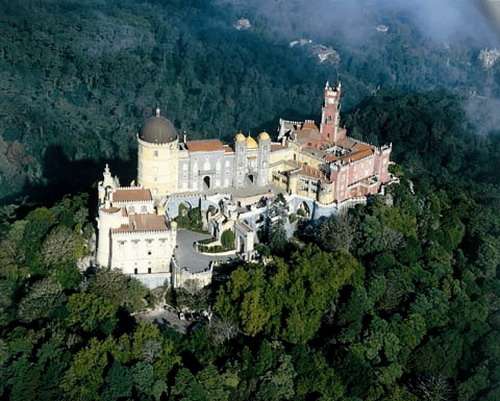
[318, 169]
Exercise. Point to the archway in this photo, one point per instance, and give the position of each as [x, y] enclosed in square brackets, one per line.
[250, 179]
[206, 183]
[304, 210]
[183, 209]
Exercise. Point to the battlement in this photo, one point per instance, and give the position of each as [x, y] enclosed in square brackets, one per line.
[123, 232]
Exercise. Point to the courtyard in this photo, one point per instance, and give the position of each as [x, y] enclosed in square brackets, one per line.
[187, 256]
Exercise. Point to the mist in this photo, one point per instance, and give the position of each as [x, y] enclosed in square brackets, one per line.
[447, 21]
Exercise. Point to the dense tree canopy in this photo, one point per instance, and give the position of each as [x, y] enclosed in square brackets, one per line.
[396, 300]
[78, 78]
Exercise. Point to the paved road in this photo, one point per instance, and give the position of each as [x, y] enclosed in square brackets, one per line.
[186, 255]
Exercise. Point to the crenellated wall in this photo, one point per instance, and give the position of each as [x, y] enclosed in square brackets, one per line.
[145, 252]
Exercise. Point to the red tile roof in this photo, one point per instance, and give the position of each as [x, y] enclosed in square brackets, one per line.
[143, 222]
[311, 172]
[132, 195]
[205, 145]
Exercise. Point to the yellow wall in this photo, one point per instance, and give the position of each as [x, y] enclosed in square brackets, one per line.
[309, 160]
[158, 167]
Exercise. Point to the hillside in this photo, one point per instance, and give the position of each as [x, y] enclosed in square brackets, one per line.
[78, 78]
[396, 300]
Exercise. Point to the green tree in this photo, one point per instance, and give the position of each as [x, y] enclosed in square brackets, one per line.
[227, 239]
[92, 313]
[41, 301]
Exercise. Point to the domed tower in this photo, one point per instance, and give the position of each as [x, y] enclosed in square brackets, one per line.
[263, 159]
[240, 162]
[158, 147]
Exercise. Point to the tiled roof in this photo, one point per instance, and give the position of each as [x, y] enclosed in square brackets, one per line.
[205, 145]
[355, 151]
[308, 134]
[311, 172]
[143, 222]
[358, 155]
[132, 195]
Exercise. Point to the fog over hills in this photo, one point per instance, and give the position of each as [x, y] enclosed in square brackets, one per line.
[420, 45]
[443, 20]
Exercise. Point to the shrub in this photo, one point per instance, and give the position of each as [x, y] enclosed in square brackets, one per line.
[227, 239]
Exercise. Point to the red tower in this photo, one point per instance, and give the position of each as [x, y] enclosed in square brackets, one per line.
[330, 113]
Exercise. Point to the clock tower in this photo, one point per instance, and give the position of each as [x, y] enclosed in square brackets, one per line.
[331, 113]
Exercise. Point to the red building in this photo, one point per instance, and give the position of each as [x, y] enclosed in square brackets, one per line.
[324, 162]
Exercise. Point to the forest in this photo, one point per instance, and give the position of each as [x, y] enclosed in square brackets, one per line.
[78, 79]
[398, 300]
[394, 301]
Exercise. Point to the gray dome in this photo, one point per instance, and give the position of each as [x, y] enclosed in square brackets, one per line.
[158, 129]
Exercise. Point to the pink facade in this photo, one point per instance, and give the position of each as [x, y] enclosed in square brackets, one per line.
[362, 177]
[353, 168]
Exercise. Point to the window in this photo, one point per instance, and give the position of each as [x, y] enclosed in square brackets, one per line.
[156, 153]
[149, 270]
[149, 253]
[135, 271]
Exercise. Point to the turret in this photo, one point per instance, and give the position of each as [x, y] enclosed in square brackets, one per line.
[240, 165]
[106, 185]
[109, 218]
[264, 141]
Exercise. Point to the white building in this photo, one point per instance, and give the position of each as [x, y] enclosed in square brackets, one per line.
[319, 169]
[168, 165]
[134, 236]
